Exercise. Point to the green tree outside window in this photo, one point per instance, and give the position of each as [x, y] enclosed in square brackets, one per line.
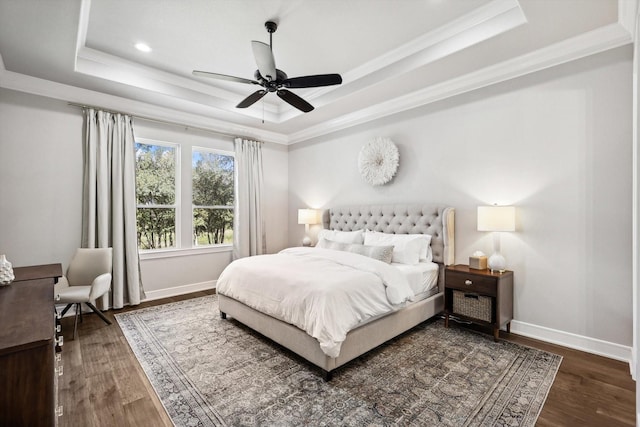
[213, 197]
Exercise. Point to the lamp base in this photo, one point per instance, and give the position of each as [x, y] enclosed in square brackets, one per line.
[306, 241]
[497, 263]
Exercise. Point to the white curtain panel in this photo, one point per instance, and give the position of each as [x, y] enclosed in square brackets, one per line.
[248, 229]
[109, 202]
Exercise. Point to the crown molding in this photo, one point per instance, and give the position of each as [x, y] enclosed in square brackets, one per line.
[143, 110]
[596, 41]
[474, 27]
[628, 15]
[109, 67]
[481, 24]
[100, 64]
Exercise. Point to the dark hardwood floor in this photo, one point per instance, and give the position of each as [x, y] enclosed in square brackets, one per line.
[103, 384]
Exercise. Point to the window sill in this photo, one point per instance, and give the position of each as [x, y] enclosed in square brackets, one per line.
[173, 253]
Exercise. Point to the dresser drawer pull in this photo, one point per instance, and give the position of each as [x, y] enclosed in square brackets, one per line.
[468, 282]
[60, 341]
[58, 297]
[60, 370]
[59, 411]
[58, 357]
[58, 328]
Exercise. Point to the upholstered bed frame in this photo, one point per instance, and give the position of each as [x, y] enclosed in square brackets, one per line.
[435, 220]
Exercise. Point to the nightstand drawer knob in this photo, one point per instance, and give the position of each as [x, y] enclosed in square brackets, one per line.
[468, 282]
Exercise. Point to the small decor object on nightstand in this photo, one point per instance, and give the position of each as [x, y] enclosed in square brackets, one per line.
[6, 271]
[478, 261]
[378, 161]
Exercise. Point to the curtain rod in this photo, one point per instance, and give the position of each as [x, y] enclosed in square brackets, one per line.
[150, 119]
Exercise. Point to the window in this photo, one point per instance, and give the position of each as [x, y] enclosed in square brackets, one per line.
[213, 196]
[183, 202]
[157, 195]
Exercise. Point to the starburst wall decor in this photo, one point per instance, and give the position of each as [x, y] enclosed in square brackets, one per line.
[378, 161]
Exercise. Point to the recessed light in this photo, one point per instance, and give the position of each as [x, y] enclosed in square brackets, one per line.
[143, 47]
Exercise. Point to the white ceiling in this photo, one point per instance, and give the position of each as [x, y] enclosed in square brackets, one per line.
[393, 55]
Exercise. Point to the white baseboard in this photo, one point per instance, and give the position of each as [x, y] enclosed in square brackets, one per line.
[179, 290]
[154, 295]
[575, 341]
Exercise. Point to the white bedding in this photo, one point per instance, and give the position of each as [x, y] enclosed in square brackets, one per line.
[324, 292]
[422, 277]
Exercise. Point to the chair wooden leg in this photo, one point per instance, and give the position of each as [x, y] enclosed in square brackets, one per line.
[98, 312]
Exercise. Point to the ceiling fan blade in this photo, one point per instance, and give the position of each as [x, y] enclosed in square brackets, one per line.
[252, 99]
[224, 77]
[264, 59]
[313, 81]
[295, 100]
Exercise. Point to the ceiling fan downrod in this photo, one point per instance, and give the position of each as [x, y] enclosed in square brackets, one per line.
[271, 28]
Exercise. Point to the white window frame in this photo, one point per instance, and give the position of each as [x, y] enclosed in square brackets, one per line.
[177, 196]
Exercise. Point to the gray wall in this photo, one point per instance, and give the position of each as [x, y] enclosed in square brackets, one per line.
[557, 144]
[41, 190]
[40, 179]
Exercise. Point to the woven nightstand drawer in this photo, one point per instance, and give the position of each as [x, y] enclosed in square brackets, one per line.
[472, 305]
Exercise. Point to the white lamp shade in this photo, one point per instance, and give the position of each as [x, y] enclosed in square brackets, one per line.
[496, 218]
[307, 216]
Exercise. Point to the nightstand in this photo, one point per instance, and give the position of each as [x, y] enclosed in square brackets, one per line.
[479, 296]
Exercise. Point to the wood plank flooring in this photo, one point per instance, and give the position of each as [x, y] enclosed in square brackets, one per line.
[103, 384]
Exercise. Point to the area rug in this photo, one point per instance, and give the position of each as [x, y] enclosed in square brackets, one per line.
[213, 372]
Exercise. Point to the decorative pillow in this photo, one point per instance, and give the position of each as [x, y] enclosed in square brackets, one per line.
[331, 244]
[407, 248]
[342, 236]
[381, 253]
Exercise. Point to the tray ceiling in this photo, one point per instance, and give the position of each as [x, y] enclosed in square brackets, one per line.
[392, 55]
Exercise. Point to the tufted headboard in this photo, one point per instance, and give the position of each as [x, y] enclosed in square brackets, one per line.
[435, 220]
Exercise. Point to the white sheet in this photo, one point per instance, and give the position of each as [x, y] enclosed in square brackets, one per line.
[324, 292]
[421, 277]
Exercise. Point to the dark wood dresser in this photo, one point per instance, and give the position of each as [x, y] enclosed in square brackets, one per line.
[28, 348]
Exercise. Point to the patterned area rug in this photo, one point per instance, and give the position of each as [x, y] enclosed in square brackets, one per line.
[209, 372]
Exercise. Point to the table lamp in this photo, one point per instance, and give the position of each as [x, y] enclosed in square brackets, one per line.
[307, 217]
[496, 219]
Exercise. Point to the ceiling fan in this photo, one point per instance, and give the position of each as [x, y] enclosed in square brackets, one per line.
[273, 79]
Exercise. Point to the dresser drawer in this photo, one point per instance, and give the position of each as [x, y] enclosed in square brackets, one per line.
[471, 283]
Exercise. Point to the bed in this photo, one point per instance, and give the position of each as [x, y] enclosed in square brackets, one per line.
[431, 220]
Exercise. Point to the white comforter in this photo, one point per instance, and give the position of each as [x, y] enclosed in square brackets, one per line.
[324, 292]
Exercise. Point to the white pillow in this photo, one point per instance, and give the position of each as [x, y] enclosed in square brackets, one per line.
[407, 248]
[425, 251]
[381, 253]
[342, 236]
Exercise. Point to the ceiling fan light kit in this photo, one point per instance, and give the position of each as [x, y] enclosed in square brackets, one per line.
[273, 79]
